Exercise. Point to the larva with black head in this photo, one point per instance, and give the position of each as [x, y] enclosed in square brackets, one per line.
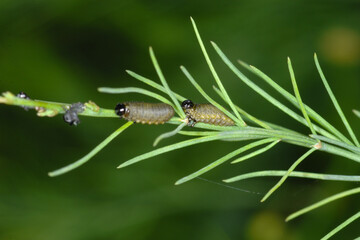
[205, 113]
[145, 113]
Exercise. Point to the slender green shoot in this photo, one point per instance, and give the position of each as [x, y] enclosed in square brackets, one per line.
[177, 107]
[153, 84]
[169, 134]
[206, 96]
[257, 152]
[222, 160]
[323, 202]
[278, 127]
[292, 99]
[51, 109]
[356, 112]
[135, 90]
[338, 143]
[341, 226]
[278, 173]
[282, 180]
[215, 75]
[93, 152]
[335, 102]
[298, 97]
[242, 112]
[339, 151]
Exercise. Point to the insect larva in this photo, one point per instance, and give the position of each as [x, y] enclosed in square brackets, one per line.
[205, 113]
[24, 96]
[145, 113]
[71, 115]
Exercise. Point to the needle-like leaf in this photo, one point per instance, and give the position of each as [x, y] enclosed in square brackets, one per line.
[215, 75]
[257, 152]
[335, 102]
[93, 152]
[222, 160]
[177, 107]
[279, 173]
[282, 180]
[298, 97]
[323, 202]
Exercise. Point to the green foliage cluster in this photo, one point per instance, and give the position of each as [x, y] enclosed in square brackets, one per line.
[324, 136]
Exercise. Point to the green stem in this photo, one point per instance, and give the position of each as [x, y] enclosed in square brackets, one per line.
[91, 109]
[338, 143]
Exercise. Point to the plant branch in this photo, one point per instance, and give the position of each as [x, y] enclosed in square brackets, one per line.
[50, 109]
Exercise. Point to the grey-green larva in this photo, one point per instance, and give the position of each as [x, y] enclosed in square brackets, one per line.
[205, 113]
[145, 113]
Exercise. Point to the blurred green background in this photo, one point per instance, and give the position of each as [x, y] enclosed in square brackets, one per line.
[63, 50]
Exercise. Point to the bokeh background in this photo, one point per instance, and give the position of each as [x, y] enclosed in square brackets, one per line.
[63, 50]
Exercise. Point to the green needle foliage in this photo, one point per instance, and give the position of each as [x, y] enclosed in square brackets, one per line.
[276, 173]
[177, 107]
[135, 90]
[323, 202]
[257, 152]
[283, 178]
[356, 112]
[223, 159]
[292, 99]
[216, 77]
[256, 132]
[335, 102]
[298, 97]
[88, 156]
[341, 226]
[207, 97]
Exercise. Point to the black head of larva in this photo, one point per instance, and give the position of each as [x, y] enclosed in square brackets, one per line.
[187, 104]
[22, 95]
[120, 109]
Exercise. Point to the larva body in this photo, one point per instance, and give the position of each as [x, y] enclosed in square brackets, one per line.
[205, 113]
[145, 113]
[71, 114]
